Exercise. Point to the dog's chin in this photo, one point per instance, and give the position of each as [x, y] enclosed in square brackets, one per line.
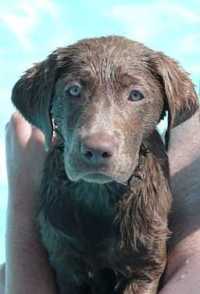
[95, 178]
[98, 178]
[104, 179]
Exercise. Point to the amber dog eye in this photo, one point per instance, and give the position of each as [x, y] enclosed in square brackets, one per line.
[135, 95]
[73, 90]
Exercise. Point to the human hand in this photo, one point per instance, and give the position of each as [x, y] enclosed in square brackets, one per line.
[27, 266]
[25, 154]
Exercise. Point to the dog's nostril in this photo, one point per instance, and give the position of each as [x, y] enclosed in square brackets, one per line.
[106, 155]
[88, 154]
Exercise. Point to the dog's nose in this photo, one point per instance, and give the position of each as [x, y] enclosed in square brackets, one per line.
[98, 148]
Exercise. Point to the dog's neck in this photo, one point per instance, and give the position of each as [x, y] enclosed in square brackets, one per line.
[100, 198]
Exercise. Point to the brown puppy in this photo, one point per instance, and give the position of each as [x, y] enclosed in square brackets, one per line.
[105, 195]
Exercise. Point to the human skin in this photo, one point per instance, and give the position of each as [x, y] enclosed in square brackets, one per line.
[27, 269]
[182, 274]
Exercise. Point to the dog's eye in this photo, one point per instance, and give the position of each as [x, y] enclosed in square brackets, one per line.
[73, 90]
[135, 95]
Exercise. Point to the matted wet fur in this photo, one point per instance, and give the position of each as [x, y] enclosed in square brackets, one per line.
[105, 193]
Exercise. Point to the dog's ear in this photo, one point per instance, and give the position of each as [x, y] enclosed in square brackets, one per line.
[181, 100]
[33, 92]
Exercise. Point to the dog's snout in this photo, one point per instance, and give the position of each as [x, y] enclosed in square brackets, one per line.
[98, 148]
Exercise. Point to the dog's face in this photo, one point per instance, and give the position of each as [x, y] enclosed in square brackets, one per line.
[105, 103]
[105, 96]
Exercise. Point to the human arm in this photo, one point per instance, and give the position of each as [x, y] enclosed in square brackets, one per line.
[27, 268]
[182, 274]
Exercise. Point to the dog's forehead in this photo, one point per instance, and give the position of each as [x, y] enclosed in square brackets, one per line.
[107, 55]
[115, 50]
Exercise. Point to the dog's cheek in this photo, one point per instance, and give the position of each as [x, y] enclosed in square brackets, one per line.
[123, 172]
[70, 154]
[127, 159]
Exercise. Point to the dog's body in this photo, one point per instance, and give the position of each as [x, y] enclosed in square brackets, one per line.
[93, 232]
[105, 196]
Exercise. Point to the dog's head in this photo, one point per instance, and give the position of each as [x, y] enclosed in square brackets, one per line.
[106, 96]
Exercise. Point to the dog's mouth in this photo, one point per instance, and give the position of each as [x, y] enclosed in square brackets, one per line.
[98, 178]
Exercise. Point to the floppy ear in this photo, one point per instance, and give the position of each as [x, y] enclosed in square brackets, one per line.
[33, 92]
[181, 100]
